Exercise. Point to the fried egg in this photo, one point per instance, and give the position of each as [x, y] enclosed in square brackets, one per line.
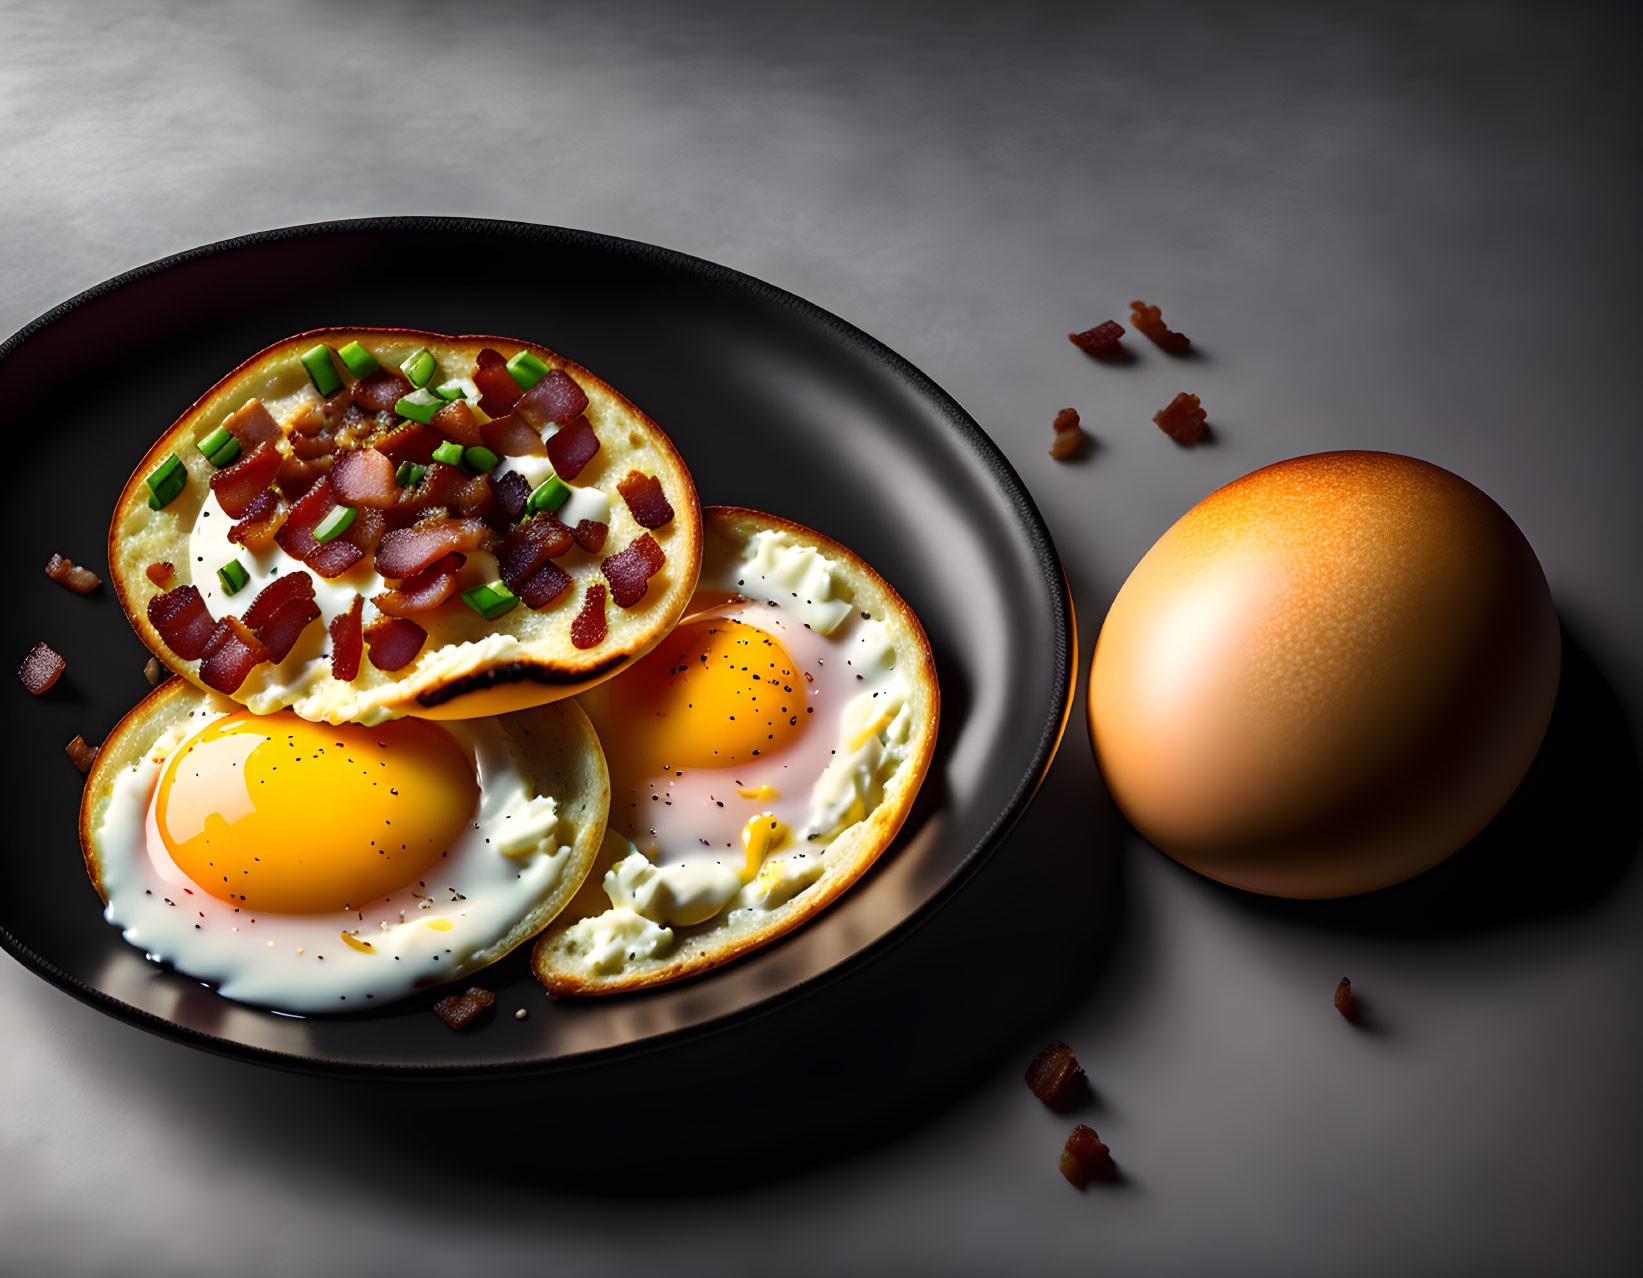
[311, 868]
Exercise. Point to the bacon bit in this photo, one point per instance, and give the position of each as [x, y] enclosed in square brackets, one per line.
[65, 572]
[155, 673]
[252, 424]
[324, 416]
[1150, 320]
[81, 754]
[513, 490]
[545, 585]
[161, 572]
[183, 621]
[426, 590]
[439, 487]
[498, 392]
[1182, 419]
[475, 498]
[590, 534]
[41, 668]
[1345, 1002]
[643, 494]
[1100, 340]
[512, 436]
[462, 1010]
[347, 642]
[364, 477]
[367, 530]
[588, 628]
[404, 552]
[573, 448]
[1085, 1158]
[285, 627]
[394, 642]
[556, 398]
[629, 571]
[312, 447]
[263, 518]
[412, 443]
[237, 486]
[1069, 434]
[284, 589]
[530, 545]
[457, 421]
[232, 653]
[1056, 1077]
[296, 476]
[296, 536]
[378, 392]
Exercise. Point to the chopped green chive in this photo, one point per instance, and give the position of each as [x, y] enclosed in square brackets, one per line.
[490, 601]
[480, 458]
[550, 494]
[166, 482]
[334, 524]
[527, 369]
[409, 474]
[233, 577]
[220, 447]
[323, 373]
[419, 406]
[458, 388]
[449, 452]
[420, 368]
[361, 363]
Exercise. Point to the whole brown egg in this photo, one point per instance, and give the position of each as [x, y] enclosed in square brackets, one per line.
[1326, 676]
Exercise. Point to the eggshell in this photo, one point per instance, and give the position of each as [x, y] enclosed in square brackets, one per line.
[1325, 677]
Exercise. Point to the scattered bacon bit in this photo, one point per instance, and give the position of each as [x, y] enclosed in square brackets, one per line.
[41, 668]
[1150, 320]
[252, 424]
[1345, 1002]
[590, 534]
[231, 654]
[237, 486]
[263, 518]
[543, 586]
[296, 537]
[312, 447]
[1101, 339]
[556, 398]
[474, 498]
[347, 641]
[1182, 419]
[275, 595]
[404, 552]
[1085, 1158]
[285, 627]
[643, 494]
[439, 487]
[588, 628]
[367, 530]
[530, 545]
[573, 448]
[1056, 1077]
[512, 436]
[461, 1010]
[161, 572]
[1069, 434]
[183, 621]
[155, 673]
[411, 443]
[65, 572]
[378, 392]
[426, 590]
[457, 421]
[394, 642]
[325, 415]
[80, 753]
[364, 477]
[296, 476]
[629, 571]
[498, 392]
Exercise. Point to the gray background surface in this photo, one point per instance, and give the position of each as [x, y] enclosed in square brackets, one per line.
[1406, 227]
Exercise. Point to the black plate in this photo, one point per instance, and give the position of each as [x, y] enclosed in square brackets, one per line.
[774, 403]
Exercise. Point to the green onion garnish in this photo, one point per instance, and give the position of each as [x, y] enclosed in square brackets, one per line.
[490, 601]
[458, 388]
[550, 494]
[334, 524]
[317, 360]
[481, 459]
[450, 452]
[420, 368]
[419, 406]
[233, 577]
[166, 482]
[527, 369]
[409, 474]
[220, 447]
[361, 363]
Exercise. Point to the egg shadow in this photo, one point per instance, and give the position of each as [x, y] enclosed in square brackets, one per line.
[1563, 841]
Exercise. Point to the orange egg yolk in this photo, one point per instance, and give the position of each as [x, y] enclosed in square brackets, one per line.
[713, 694]
[274, 813]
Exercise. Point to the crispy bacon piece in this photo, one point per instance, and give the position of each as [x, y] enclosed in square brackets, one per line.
[556, 398]
[41, 668]
[285, 627]
[82, 755]
[590, 534]
[512, 436]
[394, 642]
[313, 447]
[252, 424]
[296, 537]
[232, 653]
[325, 415]
[474, 498]
[530, 545]
[1182, 419]
[512, 491]
[364, 477]
[543, 586]
[183, 621]
[411, 443]
[263, 518]
[65, 572]
[367, 530]
[155, 673]
[498, 392]
[1100, 340]
[286, 588]
[1086, 1158]
[629, 571]
[1069, 434]
[347, 642]
[1056, 1077]
[588, 627]
[461, 1010]
[378, 392]
[237, 486]
[1345, 1002]
[404, 552]
[643, 494]
[573, 448]
[457, 421]
[1150, 321]
[161, 572]
[296, 476]
[439, 487]
[426, 590]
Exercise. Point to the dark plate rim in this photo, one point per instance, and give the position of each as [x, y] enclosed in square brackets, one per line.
[970, 433]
